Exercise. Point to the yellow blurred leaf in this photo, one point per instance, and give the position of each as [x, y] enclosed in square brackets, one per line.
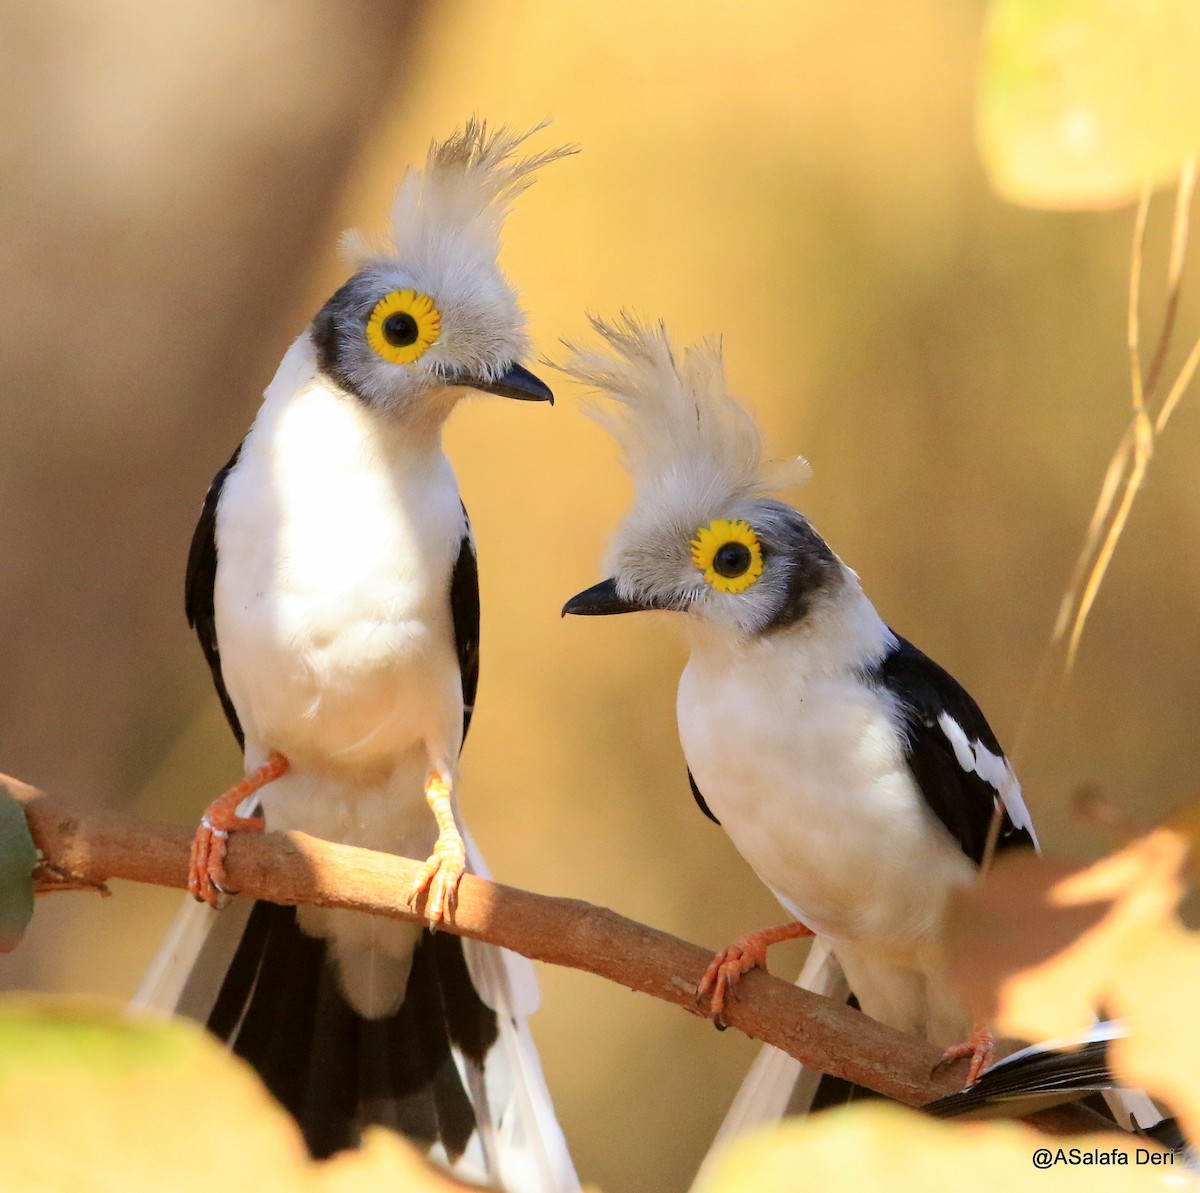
[91, 1099]
[1040, 947]
[870, 1148]
[384, 1162]
[1083, 101]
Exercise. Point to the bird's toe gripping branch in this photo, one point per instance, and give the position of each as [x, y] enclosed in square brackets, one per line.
[206, 868]
[444, 867]
[980, 1047]
[747, 952]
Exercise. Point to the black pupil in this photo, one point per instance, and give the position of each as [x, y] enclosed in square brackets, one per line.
[400, 329]
[731, 560]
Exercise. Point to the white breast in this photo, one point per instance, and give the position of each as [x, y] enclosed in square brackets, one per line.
[802, 766]
[337, 534]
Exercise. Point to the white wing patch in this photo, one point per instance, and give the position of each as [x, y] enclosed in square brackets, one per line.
[975, 758]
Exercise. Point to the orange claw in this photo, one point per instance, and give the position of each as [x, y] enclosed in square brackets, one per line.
[747, 952]
[445, 866]
[980, 1047]
[206, 868]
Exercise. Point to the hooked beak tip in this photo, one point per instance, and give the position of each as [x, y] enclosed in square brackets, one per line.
[601, 600]
[517, 382]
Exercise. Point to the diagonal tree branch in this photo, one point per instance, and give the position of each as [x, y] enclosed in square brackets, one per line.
[82, 849]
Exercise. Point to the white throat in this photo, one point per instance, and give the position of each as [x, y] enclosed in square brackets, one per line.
[841, 632]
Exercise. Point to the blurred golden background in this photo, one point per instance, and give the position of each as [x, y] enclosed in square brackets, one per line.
[801, 177]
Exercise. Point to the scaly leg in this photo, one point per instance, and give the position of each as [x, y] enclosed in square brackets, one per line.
[980, 1047]
[446, 864]
[748, 951]
[206, 869]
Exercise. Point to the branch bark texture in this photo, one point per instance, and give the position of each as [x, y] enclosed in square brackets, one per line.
[87, 848]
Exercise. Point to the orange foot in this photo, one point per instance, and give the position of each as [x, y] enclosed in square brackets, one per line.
[206, 869]
[980, 1047]
[444, 867]
[748, 951]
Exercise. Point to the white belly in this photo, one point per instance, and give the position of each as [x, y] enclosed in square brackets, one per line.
[806, 777]
[336, 541]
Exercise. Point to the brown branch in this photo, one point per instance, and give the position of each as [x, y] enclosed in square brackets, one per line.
[90, 848]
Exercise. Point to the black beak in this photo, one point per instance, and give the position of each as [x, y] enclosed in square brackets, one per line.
[517, 383]
[600, 600]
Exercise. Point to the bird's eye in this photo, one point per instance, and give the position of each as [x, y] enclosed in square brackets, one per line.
[732, 560]
[403, 326]
[400, 329]
[729, 555]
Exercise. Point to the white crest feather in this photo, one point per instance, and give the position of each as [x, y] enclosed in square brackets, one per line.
[682, 434]
[456, 205]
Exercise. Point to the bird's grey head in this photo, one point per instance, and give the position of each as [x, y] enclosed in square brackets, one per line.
[702, 537]
[431, 314]
[757, 568]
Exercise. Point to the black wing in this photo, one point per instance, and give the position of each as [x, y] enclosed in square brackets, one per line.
[198, 591]
[700, 799]
[962, 800]
[464, 607]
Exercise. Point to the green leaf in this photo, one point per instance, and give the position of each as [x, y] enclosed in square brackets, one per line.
[17, 860]
[95, 1099]
[1084, 101]
[83, 1039]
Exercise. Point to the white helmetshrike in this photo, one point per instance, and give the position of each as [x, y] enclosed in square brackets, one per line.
[856, 777]
[333, 585]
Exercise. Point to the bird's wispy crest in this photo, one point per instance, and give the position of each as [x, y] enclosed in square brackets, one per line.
[459, 200]
[679, 428]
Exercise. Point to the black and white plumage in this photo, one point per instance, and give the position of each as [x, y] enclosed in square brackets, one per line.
[332, 583]
[856, 777]
[952, 753]
[1039, 1076]
[1055, 1072]
[950, 750]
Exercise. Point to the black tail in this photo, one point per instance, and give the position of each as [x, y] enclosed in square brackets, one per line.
[1044, 1076]
[1082, 1071]
[280, 1009]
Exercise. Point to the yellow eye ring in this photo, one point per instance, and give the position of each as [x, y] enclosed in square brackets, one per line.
[729, 555]
[403, 326]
